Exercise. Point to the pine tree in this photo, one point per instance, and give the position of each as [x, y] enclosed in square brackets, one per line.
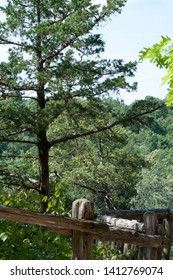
[55, 76]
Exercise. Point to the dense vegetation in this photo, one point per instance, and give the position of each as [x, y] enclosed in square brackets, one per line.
[127, 167]
[62, 136]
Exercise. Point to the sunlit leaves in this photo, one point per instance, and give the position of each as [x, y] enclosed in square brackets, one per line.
[161, 54]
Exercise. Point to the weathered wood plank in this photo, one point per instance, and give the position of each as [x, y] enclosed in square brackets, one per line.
[99, 231]
[121, 223]
[29, 217]
[137, 214]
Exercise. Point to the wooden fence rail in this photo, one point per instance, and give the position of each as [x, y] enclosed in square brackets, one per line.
[84, 227]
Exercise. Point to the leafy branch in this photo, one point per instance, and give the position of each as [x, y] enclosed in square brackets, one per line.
[135, 117]
[19, 180]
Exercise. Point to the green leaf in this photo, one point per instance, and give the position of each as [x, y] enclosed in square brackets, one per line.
[45, 199]
[27, 241]
[3, 236]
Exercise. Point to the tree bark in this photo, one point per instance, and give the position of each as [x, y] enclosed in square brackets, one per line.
[43, 153]
[43, 145]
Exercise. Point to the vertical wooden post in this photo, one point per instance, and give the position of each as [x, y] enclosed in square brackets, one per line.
[82, 242]
[140, 253]
[150, 221]
[168, 224]
[161, 232]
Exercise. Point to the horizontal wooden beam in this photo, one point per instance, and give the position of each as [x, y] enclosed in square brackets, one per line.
[137, 214]
[99, 231]
[51, 222]
[121, 223]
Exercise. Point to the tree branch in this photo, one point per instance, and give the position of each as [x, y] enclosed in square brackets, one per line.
[18, 141]
[101, 129]
[21, 178]
[17, 132]
[24, 87]
[8, 42]
[18, 156]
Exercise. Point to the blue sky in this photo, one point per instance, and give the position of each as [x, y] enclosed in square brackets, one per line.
[141, 24]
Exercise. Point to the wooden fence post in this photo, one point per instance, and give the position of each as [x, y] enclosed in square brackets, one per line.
[82, 242]
[150, 221]
[168, 225]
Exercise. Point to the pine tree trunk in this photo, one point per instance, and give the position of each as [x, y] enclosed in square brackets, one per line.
[43, 153]
[43, 147]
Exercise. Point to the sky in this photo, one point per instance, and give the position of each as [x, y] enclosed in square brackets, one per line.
[140, 24]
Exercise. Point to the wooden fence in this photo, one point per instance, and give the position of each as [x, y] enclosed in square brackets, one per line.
[147, 233]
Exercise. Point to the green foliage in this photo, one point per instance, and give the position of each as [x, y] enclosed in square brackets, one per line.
[107, 251]
[158, 53]
[154, 189]
[98, 168]
[56, 202]
[52, 85]
[27, 242]
[61, 137]
[16, 197]
[161, 54]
